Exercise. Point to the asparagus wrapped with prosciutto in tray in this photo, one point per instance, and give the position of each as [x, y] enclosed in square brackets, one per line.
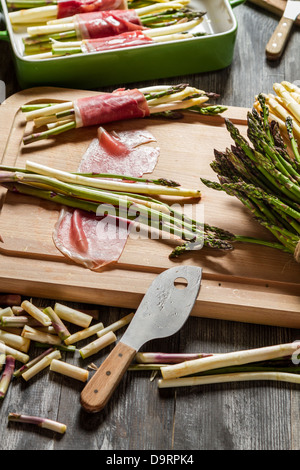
[41, 11]
[157, 21]
[98, 31]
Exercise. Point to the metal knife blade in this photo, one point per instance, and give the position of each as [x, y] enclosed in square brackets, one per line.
[292, 9]
[162, 312]
[164, 308]
[279, 38]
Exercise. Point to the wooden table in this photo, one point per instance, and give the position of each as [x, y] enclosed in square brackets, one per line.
[241, 416]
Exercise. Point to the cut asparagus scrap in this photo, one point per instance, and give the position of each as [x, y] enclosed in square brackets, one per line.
[97, 345]
[15, 341]
[86, 333]
[6, 312]
[36, 335]
[18, 355]
[69, 370]
[60, 328]
[36, 313]
[7, 375]
[40, 365]
[31, 363]
[72, 315]
[38, 421]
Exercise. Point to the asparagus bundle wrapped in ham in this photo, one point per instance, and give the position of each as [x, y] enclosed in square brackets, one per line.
[129, 39]
[121, 104]
[158, 20]
[63, 9]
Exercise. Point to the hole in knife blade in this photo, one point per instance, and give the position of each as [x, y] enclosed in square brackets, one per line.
[180, 283]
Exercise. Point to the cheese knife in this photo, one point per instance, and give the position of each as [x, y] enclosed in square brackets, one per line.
[162, 312]
[281, 34]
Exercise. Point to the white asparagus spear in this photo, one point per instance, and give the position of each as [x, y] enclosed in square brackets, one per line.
[39, 14]
[49, 29]
[290, 104]
[222, 378]
[290, 86]
[109, 184]
[63, 27]
[56, 108]
[58, 123]
[229, 359]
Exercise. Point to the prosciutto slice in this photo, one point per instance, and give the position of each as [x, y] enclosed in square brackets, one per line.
[73, 7]
[109, 107]
[106, 23]
[97, 241]
[120, 41]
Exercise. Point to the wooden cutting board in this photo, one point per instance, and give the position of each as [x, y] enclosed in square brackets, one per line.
[249, 284]
[274, 6]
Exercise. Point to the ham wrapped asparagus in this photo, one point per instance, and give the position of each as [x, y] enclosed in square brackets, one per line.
[158, 20]
[121, 104]
[62, 9]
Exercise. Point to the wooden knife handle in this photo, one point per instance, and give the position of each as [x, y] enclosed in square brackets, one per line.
[279, 38]
[101, 386]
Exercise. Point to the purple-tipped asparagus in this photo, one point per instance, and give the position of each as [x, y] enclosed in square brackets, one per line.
[34, 361]
[57, 324]
[38, 421]
[7, 375]
[167, 358]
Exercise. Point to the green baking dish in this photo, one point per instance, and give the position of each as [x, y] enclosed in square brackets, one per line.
[169, 59]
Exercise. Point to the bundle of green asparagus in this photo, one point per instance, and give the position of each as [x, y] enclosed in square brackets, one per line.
[265, 177]
[132, 200]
